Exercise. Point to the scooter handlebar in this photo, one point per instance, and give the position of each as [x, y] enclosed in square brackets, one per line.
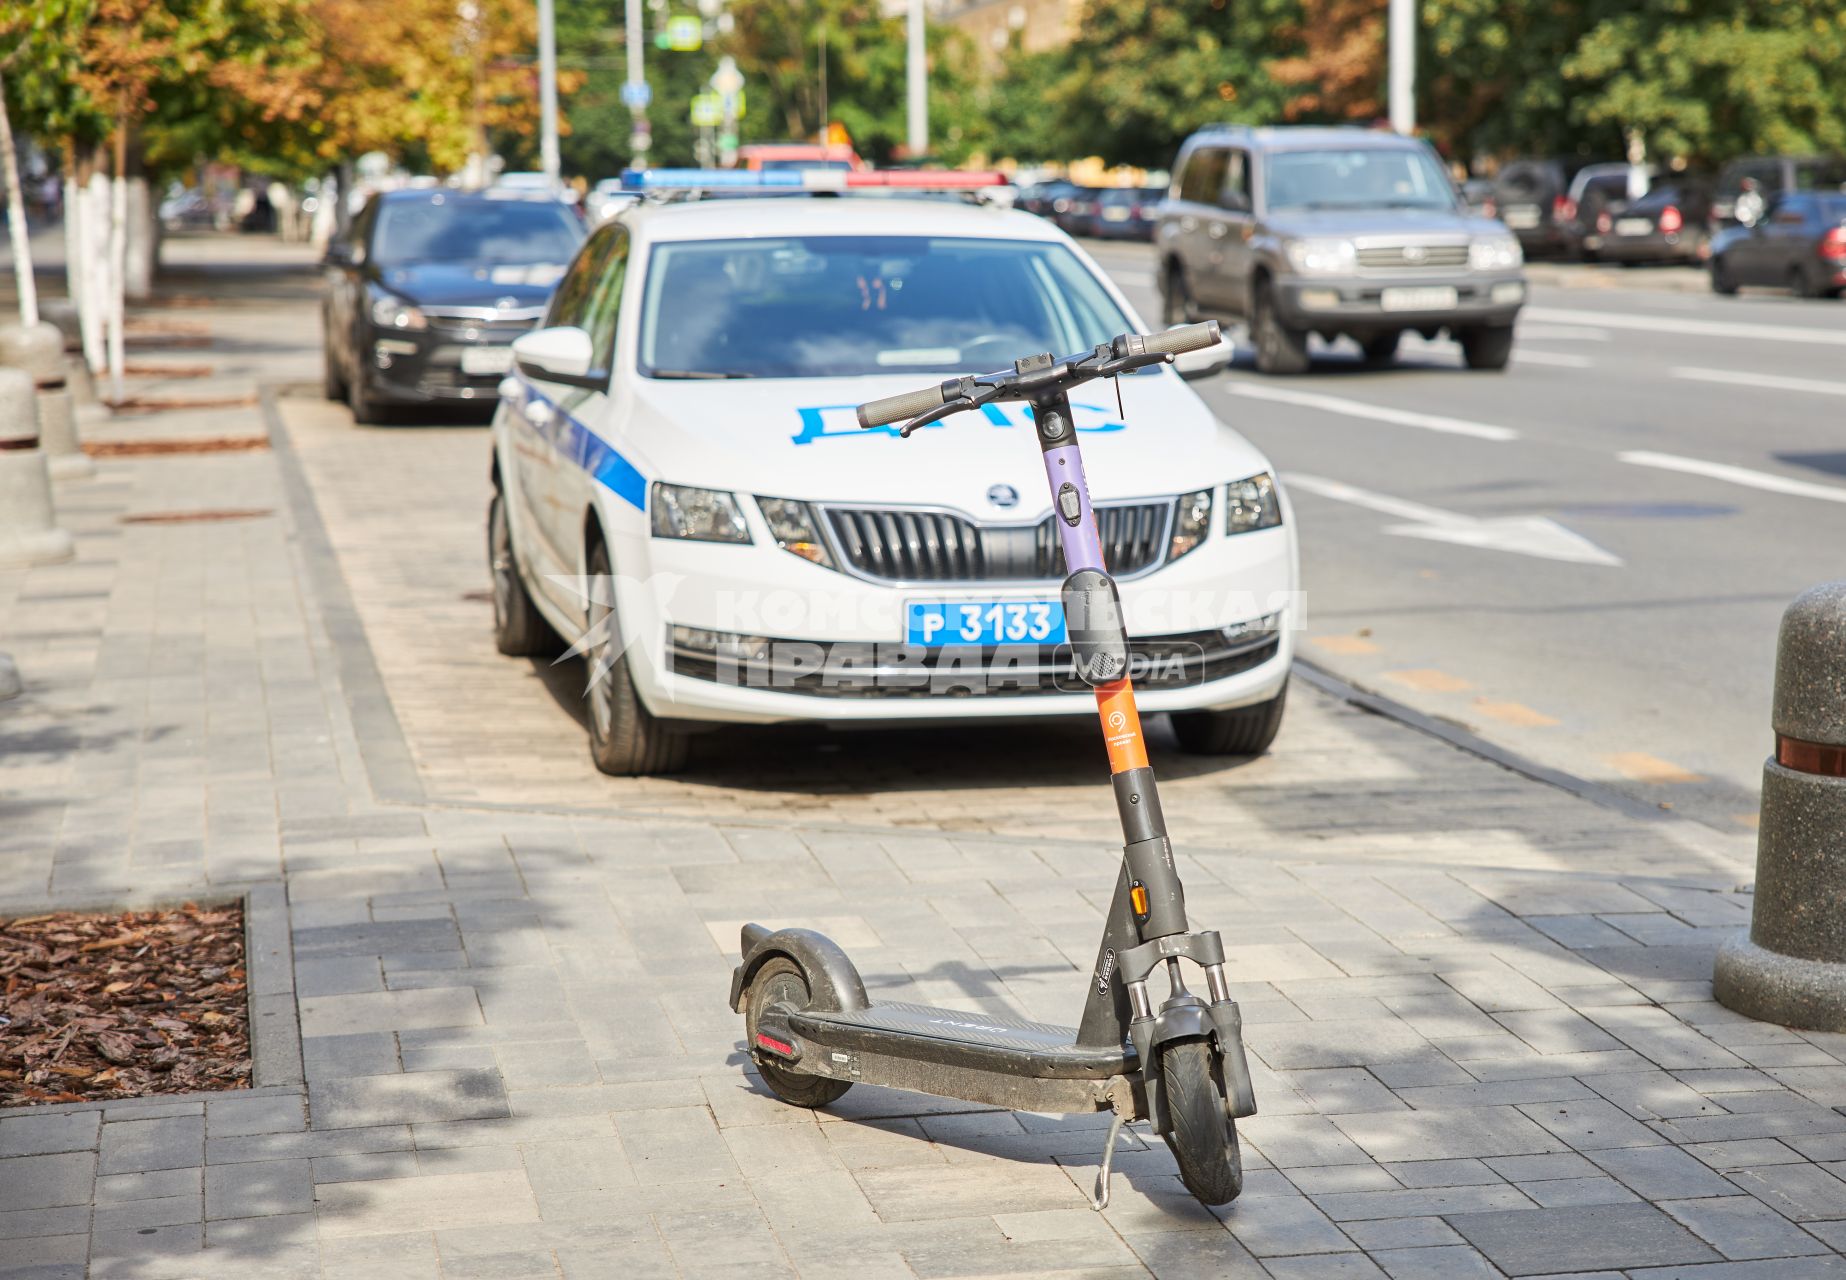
[1187, 337]
[879, 413]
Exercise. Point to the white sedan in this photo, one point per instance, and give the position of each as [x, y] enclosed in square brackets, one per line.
[682, 492]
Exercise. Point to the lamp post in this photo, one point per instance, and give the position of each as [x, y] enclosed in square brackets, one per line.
[1402, 25]
[917, 135]
[548, 90]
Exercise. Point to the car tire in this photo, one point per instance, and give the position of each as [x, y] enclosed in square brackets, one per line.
[1176, 304]
[366, 409]
[1381, 348]
[1487, 347]
[1722, 281]
[626, 740]
[1241, 731]
[333, 384]
[1802, 284]
[1280, 350]
[520, 630]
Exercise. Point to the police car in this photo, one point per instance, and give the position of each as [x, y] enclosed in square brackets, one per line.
[682, 493]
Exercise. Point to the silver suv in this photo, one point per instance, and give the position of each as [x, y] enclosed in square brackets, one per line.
[1349, 231]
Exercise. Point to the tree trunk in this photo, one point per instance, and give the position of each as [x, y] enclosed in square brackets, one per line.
[143, 240]
[118, 262]
[16, 219]
[93, 205]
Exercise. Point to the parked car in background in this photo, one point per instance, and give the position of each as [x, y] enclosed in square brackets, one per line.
[1799, 243]
[1597, 196]
[1533, 198]
[1042, 197]
[1340, 232]
[1077, 211]
[1671, 223]
[1127, 213]
[428, 288]
[1479, 195]
[1747, 185]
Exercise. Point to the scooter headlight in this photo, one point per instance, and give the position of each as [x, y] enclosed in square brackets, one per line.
[1191, 522]
[699, 515]
[795, 529]
[1254, 504]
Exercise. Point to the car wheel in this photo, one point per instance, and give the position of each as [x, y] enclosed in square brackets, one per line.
[1722, 281]
[1279, 349]
[1241, 731]
[625, 738]
[1176, 305]
[1802, 284]
[1381, 348]
[1487, 347]
[520, 630]
[367, 410]
[333, 385]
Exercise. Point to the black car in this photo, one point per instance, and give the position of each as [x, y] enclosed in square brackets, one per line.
[1073, 212]
[427, 288]
[1126, 213]
[1042, 197]
[1671, 223]
[1799, 243]
[1534, 199]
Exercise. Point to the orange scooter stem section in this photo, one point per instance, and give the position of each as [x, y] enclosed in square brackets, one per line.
[1121, 725]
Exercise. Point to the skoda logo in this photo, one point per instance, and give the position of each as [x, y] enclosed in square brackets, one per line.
[1003, 495]
[1415, 253]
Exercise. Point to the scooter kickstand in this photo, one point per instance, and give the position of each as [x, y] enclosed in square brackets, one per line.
[1100, 1200]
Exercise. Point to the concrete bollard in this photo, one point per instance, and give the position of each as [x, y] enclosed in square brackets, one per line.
[29, 534]
[1791, 969]
[39, 350]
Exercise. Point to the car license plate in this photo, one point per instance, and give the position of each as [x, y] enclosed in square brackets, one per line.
[486, 360]
[1115, 215]
[1520, 217]
[1634, 226]
[1427, 298]
[935, 623]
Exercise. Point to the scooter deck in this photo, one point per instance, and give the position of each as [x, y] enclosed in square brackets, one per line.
[959, 1038]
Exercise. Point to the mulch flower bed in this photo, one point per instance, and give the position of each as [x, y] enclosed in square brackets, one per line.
[122, 1004]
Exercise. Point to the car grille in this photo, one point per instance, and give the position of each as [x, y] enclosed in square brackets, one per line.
[900, 545]
[1413, 255]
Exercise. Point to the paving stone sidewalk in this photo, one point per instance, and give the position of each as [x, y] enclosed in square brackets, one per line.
[491, 1024]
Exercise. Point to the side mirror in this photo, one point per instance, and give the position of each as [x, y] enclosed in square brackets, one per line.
[1203, 363]
[561, 354]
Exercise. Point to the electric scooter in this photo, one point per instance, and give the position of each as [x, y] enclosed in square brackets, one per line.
[812, 1030]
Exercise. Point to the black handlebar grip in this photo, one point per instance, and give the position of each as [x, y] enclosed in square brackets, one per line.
[878, 413]
[1187, 337]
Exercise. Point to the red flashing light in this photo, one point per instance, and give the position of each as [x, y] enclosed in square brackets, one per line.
[925, 179]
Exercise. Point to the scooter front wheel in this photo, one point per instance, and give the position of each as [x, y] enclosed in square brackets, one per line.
[1203, 1137]
[780, 983]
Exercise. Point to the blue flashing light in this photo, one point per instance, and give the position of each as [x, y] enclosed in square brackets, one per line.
[710, 179]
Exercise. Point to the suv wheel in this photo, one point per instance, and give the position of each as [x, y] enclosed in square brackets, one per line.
[1279, 349]
[625, 738]
[1176, 304]
[1722, 281]
[1487, 347]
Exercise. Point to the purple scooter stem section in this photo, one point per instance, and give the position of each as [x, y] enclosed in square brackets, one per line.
[1082, 546]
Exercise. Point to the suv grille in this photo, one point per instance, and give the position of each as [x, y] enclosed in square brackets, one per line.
[1413, 255]
[938, 546]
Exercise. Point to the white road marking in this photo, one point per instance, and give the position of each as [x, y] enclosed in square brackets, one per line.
[1697, 328]
[1562, 359]
[1522, 535]
[1773, 382]
[1373, 412]
[1734, 475]
[1561, 333]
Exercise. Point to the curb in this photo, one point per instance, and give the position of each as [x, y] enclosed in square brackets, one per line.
[1589, 275]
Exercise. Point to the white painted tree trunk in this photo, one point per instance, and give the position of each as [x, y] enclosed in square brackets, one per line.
[143, 241]
[74, 246]
[118, 279]
[16, 220]
[93, 206]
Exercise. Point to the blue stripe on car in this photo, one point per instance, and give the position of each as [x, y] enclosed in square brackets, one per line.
[574, 441]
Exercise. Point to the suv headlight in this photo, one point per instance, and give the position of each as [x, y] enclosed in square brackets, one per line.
[795, 529]
[390, 312]
[1497, 253]
[700, 515]
[1191, 522]
[1253, 504]
[1322, 257]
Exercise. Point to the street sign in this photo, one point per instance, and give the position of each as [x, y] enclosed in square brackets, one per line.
[685, 33]
[707, 110]
[636, 94]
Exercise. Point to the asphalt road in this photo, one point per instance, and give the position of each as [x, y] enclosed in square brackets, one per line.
[1584, 558]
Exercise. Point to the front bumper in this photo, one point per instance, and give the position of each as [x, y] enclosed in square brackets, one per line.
[441, 364]
[1654, 247]
[1355, 303]
[1214, 629]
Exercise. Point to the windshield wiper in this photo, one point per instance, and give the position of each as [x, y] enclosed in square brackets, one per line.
[693, 374]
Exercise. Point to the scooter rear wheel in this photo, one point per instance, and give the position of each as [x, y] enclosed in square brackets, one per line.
[1203, 1138]
[781, 984]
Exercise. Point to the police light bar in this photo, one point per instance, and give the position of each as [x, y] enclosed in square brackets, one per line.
[805, 180]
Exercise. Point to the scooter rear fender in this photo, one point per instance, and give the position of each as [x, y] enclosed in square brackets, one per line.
[833, 982]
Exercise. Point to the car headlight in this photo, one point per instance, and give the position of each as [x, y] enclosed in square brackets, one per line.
[1322, 257]
[700, 515]
[389, 312]
[1190, 523]
[795, 529]
[1497, 253]
[1254, 504]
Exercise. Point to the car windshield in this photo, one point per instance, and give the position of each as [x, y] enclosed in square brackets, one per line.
[443, 229]
[849, 306]
[1359, 178]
